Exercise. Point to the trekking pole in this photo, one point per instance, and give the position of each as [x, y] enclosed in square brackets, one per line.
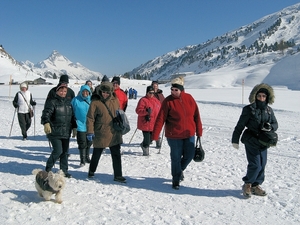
[12, 121]
[51, 153]
[34, 121]
[133, 135]
[162, 138]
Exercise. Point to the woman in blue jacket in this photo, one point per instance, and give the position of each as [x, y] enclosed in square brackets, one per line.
[81, 105]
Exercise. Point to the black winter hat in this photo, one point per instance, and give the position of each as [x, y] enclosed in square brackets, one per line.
[105, 78]
[64, 79]
[116, 79]
[263, 90]
[154, 82]
[149, 88]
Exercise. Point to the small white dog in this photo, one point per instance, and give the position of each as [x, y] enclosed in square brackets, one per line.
[49, 183]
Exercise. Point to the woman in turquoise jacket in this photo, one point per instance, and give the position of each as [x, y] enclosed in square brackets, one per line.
[81, 104]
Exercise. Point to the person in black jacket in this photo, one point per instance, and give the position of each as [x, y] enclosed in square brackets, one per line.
[256, 117]
[64, 79]
[59, 120]
[24, 103]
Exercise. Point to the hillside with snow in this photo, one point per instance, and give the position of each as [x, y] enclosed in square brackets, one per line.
[263, 51]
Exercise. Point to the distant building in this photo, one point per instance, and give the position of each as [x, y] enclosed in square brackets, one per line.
[39, 81]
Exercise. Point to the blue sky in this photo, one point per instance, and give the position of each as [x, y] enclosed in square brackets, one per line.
[115, 36]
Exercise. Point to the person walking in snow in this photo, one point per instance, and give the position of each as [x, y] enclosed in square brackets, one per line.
[59, 121]
[100, 129]
[24, 103]
[147, 110]
[158, 93]
[180, 114]
[81, 104]
[256, 117]
[122, 97]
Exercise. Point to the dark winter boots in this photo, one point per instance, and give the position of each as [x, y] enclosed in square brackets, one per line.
[82, 157]
[87, 155]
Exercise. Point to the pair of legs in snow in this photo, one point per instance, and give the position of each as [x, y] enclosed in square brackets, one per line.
[84, 147]
[60, 151]
[116, 162]
[182, 153]
[25, 123]
[147, 141]
[255, 176]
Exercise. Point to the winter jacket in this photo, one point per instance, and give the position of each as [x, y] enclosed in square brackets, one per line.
[81, 106]
[59, 113]
[143, 104]
[99, 122]
[181, 117]
[159, 95]
[20, 103]
[253, 117]
[122, 97]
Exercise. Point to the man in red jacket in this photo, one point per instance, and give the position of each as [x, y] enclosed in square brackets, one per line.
[180, 114]
[123, 100]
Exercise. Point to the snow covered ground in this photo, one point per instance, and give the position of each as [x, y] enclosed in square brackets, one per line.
[210, 193]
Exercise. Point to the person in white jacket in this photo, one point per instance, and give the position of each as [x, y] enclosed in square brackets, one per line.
[24, 104]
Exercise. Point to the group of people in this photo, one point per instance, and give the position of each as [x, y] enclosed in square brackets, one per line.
[89, 116]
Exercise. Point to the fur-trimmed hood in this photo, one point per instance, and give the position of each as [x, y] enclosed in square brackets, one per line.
[253, 93]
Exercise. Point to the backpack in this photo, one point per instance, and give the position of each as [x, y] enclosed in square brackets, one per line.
[122, 118]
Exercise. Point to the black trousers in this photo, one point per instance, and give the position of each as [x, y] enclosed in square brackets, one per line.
[147, 138]
[60, 149]
[24, 122]
[116, 159]
[82, 141]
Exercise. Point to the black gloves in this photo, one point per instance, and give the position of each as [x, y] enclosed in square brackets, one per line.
[33, 103]
[147, 118]
[15, 105]
[149, 110]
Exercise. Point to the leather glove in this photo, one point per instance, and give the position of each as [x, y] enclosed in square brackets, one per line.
[90, 137]
[33, 103]
[47, 128]
[235, 145]
[15, 105]
[149, 110]
[74, 132]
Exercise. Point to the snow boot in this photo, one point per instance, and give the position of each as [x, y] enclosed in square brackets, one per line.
[82, 157]
[257, 190]
[247, 190]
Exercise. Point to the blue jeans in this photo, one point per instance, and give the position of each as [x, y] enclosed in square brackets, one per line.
[257, 161]
[182, 153]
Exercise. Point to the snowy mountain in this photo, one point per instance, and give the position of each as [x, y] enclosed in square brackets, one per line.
[59, 64]
[259, 47]
[55, 64]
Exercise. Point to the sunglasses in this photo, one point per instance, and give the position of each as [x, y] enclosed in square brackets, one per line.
[174, 89]
[261, 96]
[151, 92]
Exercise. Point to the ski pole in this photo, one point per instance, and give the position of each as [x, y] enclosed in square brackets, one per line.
[34, 120]
[12, 122]
[133, 135]
[162, 138]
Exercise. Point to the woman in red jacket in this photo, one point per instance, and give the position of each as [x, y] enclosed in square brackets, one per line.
[181, 116]
[147, 110]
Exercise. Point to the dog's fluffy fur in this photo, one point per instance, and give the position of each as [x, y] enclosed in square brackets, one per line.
[49, 183]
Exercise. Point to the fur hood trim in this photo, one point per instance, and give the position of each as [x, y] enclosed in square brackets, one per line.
[253, 93]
